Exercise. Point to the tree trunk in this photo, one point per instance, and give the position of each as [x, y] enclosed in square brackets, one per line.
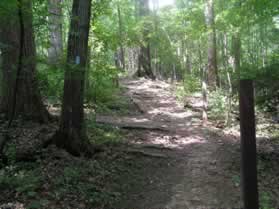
[9, 37]
[26, 98]
[132, 64]
[204, 98]
[174, 74]
[145, 69]
[203, 78]
[188, 62]
[236, 53]
[55, 51]
[121, 37]
[230, 91]
[212, 69]
[72, 134]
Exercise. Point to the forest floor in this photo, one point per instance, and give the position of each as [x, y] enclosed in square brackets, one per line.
[198, 171]
[202, 164]
[156, 155]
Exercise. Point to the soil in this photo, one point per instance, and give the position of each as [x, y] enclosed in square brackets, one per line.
[199, 170]
[202, 168]
[168, 161]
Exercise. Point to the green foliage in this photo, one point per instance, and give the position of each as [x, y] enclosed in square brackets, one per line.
[8, 10]
[191, 83]
[180, 93]
[102, 84]
[265, 201]
[10, 152]
[267, 87]
[217, 104]
[106, 135]
[19, 179]
[36, 204]
[51, 81]
[82, 179]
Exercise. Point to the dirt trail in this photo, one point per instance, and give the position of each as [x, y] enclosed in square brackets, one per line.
[200, 171]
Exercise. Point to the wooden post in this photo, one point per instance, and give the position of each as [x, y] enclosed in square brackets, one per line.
[248, 145]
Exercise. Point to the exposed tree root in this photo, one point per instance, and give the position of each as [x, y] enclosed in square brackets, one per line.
[145, 153]
[131, 125]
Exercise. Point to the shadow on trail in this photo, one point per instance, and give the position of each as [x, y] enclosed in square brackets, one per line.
[195, 167]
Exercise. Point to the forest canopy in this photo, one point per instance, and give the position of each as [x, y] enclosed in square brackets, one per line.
[79, 76]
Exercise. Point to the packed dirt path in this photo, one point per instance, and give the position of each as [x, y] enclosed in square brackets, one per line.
[201, 171]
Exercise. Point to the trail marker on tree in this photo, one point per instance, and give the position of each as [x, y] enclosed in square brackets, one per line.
[248, 145]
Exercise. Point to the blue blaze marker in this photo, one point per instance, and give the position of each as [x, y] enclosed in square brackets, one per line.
[77, 60]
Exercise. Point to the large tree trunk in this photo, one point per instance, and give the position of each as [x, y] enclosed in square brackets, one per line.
[9, 37]
[145, 69]
[25, 99]
[72, 134]
[55, 51]
[212, 69]
[132, 64]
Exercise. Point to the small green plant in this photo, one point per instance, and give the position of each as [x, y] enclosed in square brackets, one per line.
[101, 84]
[191, 84]
[71, 175]
[22, 181]
[11, 153]
[217, 104]
[180, 93]
[265, 201]
[51, 80]
[104, 134]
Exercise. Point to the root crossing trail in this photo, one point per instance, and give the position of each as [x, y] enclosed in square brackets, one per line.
[199, 163]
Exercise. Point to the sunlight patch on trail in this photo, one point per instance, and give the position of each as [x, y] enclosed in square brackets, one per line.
[171, 141]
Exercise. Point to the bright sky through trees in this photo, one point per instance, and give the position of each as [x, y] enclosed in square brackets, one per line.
[160, 3]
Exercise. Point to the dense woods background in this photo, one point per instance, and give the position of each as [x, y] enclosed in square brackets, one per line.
[69, 56]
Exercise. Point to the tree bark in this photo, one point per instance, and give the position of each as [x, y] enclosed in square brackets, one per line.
[72, 133]
[204, 98]
[26, 98]
[249, 178]
[55, 51]
[212, 69]
[230, 90]
[121, 37]
[144, 68]
[236, 41]
[132, 64]
[9, 37]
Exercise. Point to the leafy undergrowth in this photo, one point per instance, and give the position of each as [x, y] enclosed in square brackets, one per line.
[56, 179]
[268, 177]
[267, 142]
[104, 134]
[119, 104]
